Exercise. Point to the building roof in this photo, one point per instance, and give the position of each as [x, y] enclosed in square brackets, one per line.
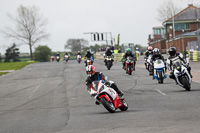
[159, 27]
[193, 33]
[190, 13]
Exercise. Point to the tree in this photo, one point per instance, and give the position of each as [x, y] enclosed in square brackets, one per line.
[166, 11]
[42, 53]
[12, 53]
[76, 44]
[29, 27]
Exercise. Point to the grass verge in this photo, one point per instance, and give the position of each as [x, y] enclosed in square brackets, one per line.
[2, 73]
[14, 65]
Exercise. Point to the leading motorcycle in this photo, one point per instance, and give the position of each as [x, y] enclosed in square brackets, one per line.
[107, 96]
[57, 58]
[182, 76]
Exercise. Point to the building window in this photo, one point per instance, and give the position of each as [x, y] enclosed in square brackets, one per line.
[157, 32]
[198, 25]
[179, 27]
[187, 26]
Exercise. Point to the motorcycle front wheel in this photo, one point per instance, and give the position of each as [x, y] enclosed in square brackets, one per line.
[186, 83]
[124, 107]
[130, 69]
[160, 77]
[107, 104]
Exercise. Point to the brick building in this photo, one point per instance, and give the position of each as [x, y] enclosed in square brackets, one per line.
[185, 23]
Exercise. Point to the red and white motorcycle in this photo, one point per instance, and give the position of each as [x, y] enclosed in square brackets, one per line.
[107, 96]
[79, 58]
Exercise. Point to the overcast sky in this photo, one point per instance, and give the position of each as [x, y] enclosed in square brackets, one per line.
[132, 19]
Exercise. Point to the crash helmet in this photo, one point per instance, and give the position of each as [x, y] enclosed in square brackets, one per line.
[149, 48]
[156, 51]
[90, 70]
[108, 48]
[128, 51]
[79, 52]
[172, 51]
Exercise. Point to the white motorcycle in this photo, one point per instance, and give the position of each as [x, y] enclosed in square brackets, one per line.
[159, 70]
[109, 62]
[182, 76]
[79, 58]
[107, 96]
[149, 65]
[66, 58]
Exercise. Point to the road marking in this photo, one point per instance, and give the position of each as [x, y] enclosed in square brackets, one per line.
[159, 91]
[34, 91]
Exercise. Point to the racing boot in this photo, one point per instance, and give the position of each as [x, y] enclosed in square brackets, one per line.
[119, 92]
[97, 103]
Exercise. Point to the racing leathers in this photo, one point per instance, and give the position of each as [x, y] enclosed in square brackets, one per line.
[100, 76]
[108, 53]
[125, 57]
[172, 60]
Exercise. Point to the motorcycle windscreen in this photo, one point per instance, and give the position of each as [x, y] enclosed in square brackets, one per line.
[158, 61]
[95, 85]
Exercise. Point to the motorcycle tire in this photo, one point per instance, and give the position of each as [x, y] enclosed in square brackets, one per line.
[108, 105]
[130, 69]
[186, 83]
[124, 107]
[160, 77]
[109, 65]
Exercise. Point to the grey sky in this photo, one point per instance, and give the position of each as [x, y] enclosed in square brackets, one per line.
[133, 19]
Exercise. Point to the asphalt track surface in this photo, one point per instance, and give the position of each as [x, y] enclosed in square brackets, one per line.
[52, 98]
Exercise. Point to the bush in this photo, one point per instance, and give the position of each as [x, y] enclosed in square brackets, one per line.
[42, 53]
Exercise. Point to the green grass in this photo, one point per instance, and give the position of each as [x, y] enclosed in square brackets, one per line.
[2, 73]
[14, 65]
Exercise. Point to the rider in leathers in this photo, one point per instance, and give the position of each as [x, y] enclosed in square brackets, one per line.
[108, 53]
[93, 75]
[127, 54]
[173, 58]
[156, 56]
[89, 55]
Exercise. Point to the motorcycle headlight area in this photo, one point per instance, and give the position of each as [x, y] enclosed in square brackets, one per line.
[180, 73]
[102, 87]
[178, 68]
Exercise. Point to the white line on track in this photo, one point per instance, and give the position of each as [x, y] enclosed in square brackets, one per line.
[34, 91]
[159, 91]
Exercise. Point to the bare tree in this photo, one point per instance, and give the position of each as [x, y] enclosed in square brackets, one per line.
[76, 44]
[166, 11]
[29, 27]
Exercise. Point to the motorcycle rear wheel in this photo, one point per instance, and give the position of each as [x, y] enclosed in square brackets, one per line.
[108, 105]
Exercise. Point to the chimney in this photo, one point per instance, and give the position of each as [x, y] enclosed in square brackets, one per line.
[190, 5]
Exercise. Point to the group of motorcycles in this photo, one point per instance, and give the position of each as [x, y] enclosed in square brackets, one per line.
[66, 58]
[180, 72]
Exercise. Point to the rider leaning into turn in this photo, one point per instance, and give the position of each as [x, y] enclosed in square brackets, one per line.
[93, 75]
[176, 57]
[128, 53]
[156, 56]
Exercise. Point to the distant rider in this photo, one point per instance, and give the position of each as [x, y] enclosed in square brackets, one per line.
[108, 52]
[93, 75]
[176, 57]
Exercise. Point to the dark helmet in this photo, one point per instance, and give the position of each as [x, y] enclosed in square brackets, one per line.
[156, 51]
[108, 48]
[88, 51]
[172, 51]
